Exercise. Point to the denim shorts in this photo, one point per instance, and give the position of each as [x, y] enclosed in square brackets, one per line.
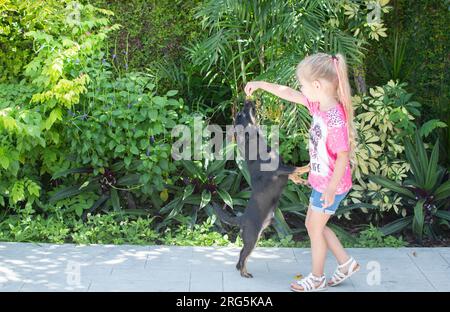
[316, 202]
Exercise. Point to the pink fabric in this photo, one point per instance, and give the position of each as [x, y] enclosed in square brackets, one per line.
[327, 136]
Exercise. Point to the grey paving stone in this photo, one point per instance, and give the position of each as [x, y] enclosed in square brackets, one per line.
[206, 281]
[51, 267]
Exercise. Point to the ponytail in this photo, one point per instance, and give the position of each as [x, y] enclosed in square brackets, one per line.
[345, 97]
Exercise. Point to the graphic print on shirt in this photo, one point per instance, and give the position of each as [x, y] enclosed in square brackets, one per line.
[317, 147]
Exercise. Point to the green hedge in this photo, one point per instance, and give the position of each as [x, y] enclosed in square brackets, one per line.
[152, 30]
[423, 24]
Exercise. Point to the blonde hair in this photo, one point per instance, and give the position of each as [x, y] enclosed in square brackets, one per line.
[333, 68]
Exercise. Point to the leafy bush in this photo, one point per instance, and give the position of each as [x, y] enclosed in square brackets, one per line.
[425, 194]
[61, 37]
[120, 132]
[424, 22]
[29, 228]
[113, 229]
[151, 32]
[372, 237]
[199, 235]
[382, 119]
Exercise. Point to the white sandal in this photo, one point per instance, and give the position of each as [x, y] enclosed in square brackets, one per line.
[339, 276]
[309, 283]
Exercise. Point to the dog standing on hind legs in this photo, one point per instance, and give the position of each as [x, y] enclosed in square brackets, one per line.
[267, 185]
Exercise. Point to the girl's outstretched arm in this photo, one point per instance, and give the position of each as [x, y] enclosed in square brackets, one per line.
[284, 92]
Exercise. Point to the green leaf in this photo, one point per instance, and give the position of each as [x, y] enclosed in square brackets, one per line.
[342, 233]
[127, 161]
[170, 206]
[243, 167]
[188, 191]
[65, 193]
[443, 191]
[55, 114]
[152, 114]
[119, 148]
[215, 165]
[115, 200]
[422, 153]
[225, 197]
[128, 180]
[396, 226]
[432, 173]
[172, 92]
[417, 225]
[411, 157]
[134, 150]
[17, 192]
[69, 171]
[206, 198]
[341, 210]
[33, 188]
[280, 224]
[430, 125]
[86, 183]
[4, 161]
[443, 214]
[178, 206]
[99, 202]
[190, 167]
[391, 185]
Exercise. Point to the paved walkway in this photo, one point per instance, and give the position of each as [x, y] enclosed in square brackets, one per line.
[48, 267]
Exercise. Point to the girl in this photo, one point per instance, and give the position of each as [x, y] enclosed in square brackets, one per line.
[325, 91]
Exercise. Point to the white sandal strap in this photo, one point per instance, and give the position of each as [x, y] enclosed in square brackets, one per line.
[338, 276]
[346, 262]
[309, 282]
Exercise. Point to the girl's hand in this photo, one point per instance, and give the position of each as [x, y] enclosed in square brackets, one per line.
[295, 176]
[251, 87]
[328, 197]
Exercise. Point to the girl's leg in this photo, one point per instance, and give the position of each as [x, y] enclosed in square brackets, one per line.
[335, 245]
[315, 225]
[333, 242]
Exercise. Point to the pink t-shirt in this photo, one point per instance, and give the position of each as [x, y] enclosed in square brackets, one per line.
[327, 136]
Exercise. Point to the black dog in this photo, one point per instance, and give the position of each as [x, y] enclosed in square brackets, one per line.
[267, 185]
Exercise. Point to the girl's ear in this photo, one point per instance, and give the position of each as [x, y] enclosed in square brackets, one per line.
[316, 84]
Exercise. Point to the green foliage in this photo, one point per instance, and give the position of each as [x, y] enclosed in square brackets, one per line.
[372, 237]
[382, 119]
[425, 193]
[205, 183]
[199, 235]
[28, 228]
[115, 229]
[285, 242]
[426, 23]
[112, 229]
[61, 37]
[152, 32]
[269, 37]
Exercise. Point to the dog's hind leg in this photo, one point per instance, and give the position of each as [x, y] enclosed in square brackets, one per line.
[250, 235]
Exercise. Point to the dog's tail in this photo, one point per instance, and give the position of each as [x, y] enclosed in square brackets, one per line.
[224, 216]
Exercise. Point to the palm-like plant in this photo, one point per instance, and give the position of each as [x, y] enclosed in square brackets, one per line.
[204, 182]
[248, 38]
[425, 193]
[107, 185]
